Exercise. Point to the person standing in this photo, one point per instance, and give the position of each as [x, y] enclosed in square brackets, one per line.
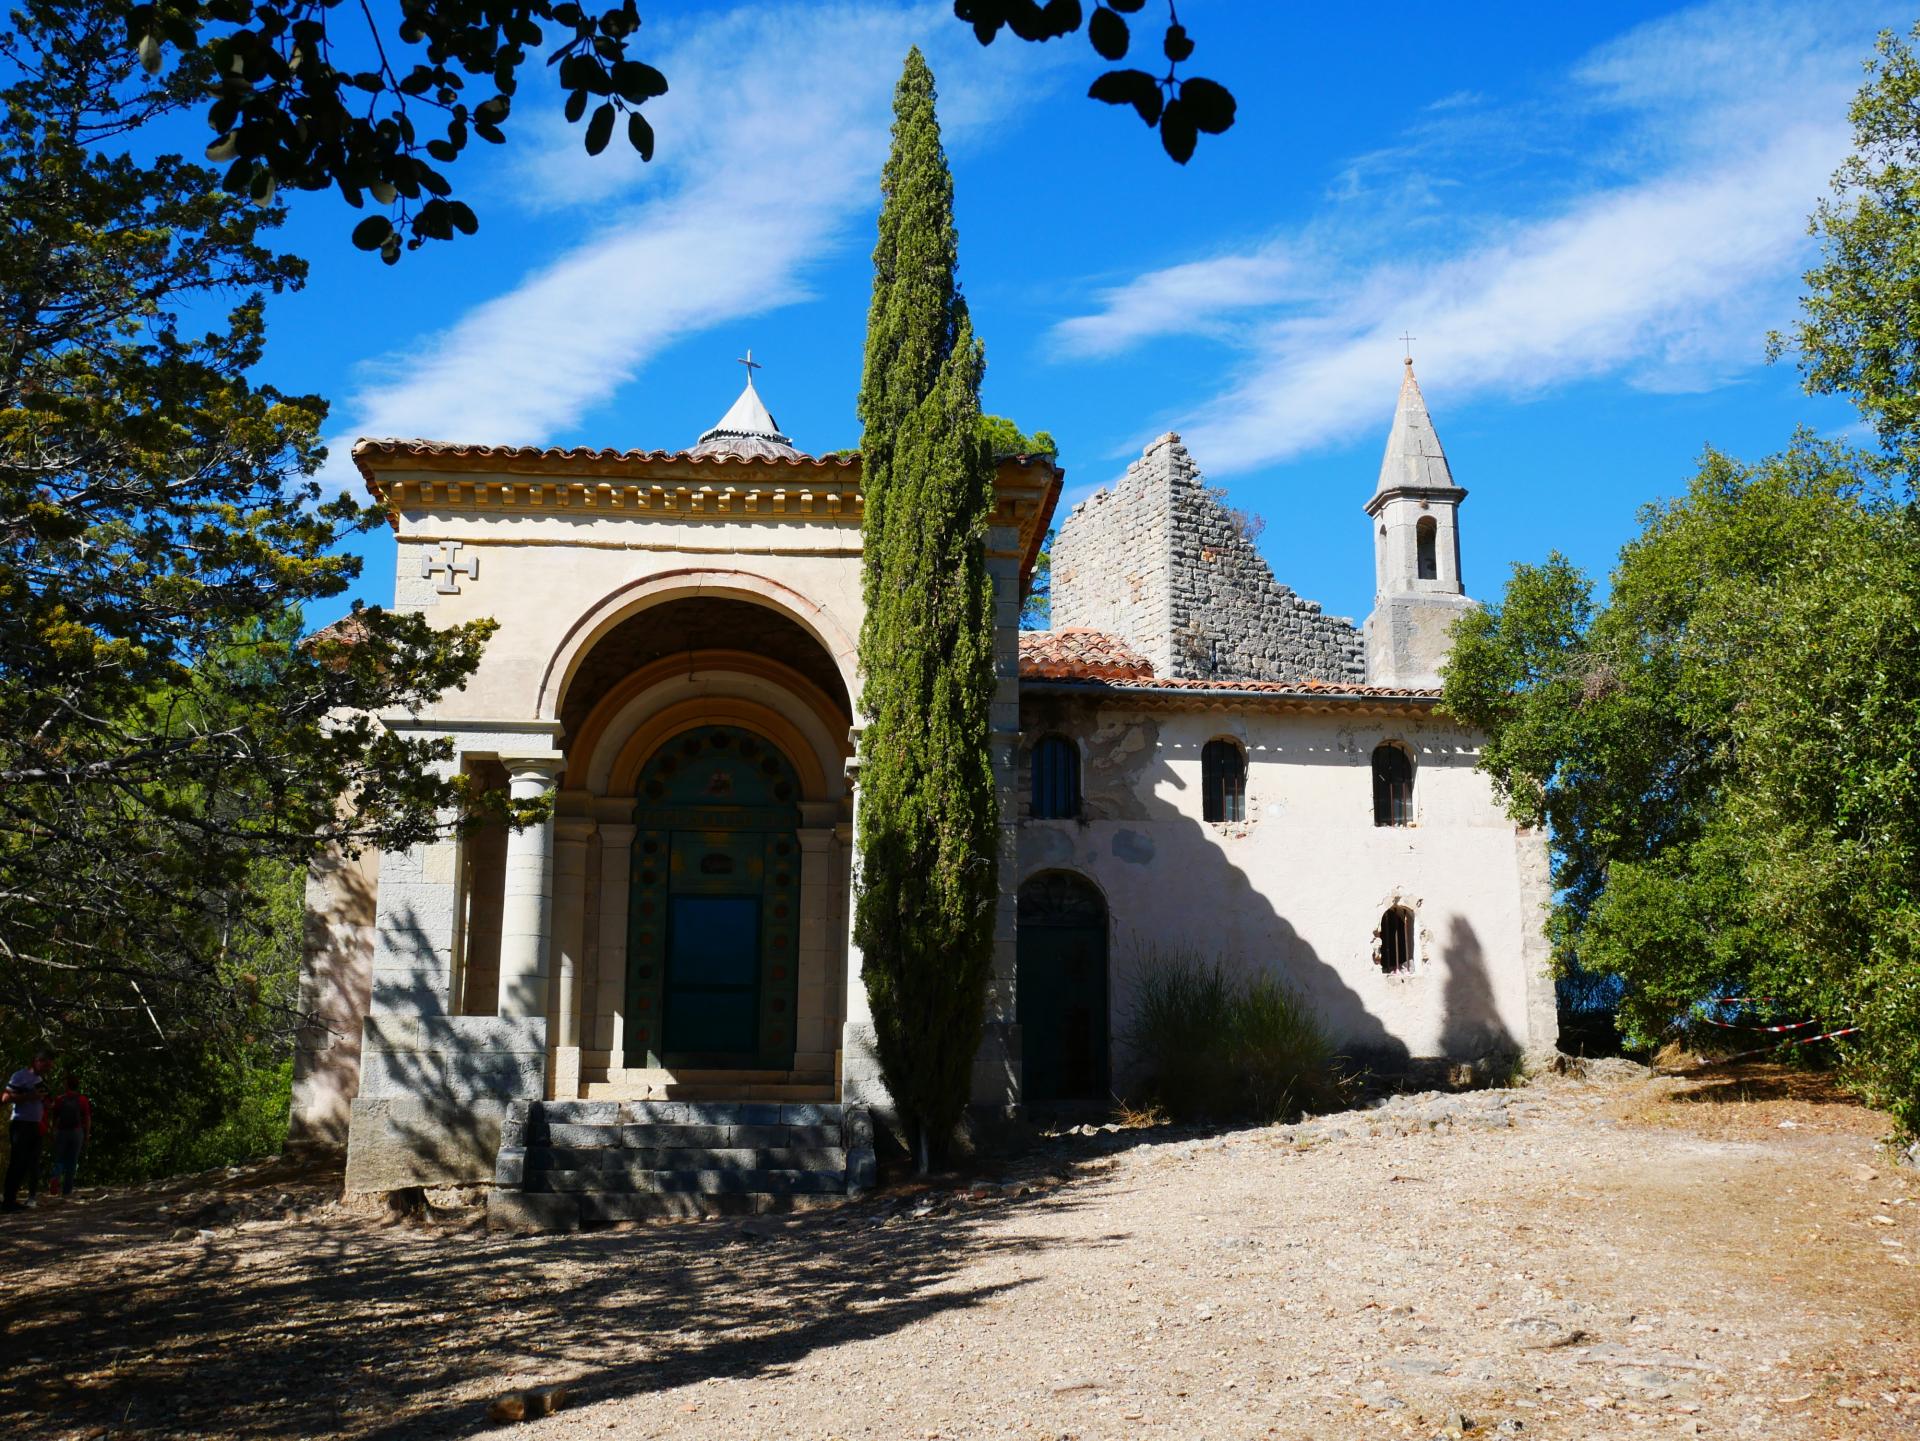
[72, 1129]
[27, 1089]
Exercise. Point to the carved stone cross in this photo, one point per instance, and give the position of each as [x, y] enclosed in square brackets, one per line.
[451, 566]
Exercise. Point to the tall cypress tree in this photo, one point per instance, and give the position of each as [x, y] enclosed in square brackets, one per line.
[928, 810]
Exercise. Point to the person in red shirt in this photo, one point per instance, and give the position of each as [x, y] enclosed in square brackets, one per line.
[72, 1115]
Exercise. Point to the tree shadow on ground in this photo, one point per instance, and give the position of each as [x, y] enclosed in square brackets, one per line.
[346, 1329]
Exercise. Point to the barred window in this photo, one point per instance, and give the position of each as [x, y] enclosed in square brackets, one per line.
[1396, 941]
[1056, 779]
[1223, 781]
[1392, 786]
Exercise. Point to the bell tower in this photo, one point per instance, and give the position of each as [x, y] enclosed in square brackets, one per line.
[1417, 590]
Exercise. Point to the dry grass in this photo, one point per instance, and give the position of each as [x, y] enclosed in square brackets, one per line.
[1139, 1117]
[1747, 1100]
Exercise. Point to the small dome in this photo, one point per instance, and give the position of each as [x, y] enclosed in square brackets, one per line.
[748, 429]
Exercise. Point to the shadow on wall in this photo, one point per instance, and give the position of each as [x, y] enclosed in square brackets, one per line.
[336, 964]
[1470, 1024]
[1126, 780]
[434, 1087]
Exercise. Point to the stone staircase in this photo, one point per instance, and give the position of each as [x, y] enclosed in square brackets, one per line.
[563, 1164]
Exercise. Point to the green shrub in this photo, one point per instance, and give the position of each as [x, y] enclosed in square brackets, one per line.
[1213, 1042]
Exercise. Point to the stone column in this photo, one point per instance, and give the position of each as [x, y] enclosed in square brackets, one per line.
[526, 912]
[606, 1031]
[571, 834]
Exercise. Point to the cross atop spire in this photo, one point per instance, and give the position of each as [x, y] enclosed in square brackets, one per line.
[1405, 339]
[748, 429]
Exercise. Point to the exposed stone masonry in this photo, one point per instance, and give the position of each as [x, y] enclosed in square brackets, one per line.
[1158, 560]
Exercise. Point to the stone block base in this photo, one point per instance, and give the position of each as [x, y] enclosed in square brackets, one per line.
[398, 1141]
[510, 1210]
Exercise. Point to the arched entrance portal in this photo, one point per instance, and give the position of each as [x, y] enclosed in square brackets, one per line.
[712, 975]
[1062, 989]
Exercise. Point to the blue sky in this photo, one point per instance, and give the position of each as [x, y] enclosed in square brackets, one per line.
[1588, 219]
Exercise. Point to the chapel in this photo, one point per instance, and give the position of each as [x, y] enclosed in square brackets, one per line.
[650, 1001]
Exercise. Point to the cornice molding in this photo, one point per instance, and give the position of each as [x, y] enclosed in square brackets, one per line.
[409, 477]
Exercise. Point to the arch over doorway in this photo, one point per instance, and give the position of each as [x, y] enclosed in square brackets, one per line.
[1061, 990]
[714, 904]
[629, 600]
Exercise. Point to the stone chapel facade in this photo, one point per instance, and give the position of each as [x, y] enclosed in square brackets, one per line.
[1193, 759]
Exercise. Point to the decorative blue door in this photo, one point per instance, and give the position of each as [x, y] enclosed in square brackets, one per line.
[712, 977]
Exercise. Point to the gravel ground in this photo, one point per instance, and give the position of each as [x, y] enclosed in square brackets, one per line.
[1598, 1257]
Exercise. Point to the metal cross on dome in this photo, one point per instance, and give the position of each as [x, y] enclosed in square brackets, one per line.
[751, 365]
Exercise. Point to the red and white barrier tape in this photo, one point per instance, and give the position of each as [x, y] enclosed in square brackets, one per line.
[1768, 1050]
[1739, 1026]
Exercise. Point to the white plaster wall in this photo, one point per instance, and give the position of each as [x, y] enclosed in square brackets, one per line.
[1298, 889]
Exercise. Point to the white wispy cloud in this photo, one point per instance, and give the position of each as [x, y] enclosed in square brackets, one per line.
[1708, 135]
[769, 146]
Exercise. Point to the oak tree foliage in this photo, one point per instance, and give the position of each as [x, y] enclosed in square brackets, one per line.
[1726, 753]
[169, 747]
[1726, 750]
[928, 812]
[1857, 334]
[317, 95]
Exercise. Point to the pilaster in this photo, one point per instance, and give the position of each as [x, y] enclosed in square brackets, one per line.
[571, 834]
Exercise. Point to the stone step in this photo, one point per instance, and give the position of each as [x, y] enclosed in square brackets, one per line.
[704, 1182]
[586, 1138]
[685, 1113]
[604, 1207]
[688, 1158]
[817, 1094]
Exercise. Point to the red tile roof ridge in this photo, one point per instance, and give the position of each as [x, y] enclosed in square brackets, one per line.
[396, 445]
[1078, 652]
[1286, 687]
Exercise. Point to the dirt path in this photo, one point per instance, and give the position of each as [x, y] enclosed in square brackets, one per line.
[1571, 1260]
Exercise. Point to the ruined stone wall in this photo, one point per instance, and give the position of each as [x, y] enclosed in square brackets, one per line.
[1112, 564]
[1161, 562]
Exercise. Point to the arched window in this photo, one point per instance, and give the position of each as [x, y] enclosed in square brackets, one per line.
[1056, 779]
[1392, 786]
[1425, 542]
[1223, 781]
[1396, 941]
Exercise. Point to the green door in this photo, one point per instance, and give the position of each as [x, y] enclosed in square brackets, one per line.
[1061, 990]
[712, 979]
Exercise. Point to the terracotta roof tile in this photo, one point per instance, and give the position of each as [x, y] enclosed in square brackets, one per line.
[393, 448]
[1079, 653]
[1289, 687]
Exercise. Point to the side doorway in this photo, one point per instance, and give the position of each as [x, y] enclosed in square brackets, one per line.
[1061, 990]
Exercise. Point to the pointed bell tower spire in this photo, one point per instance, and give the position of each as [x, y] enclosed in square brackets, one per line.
[1414, 459]
[1415, 512]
